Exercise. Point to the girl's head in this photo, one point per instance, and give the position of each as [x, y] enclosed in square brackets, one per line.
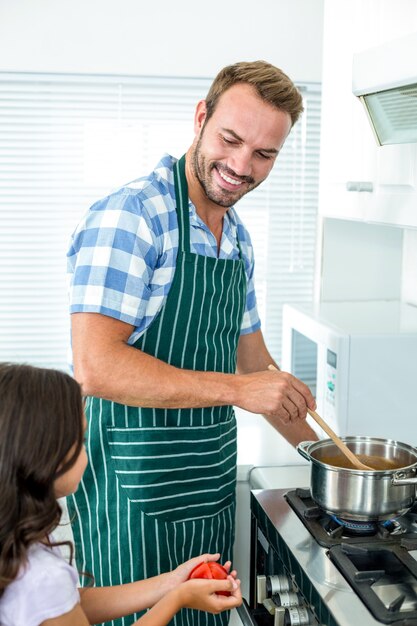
[42, 432]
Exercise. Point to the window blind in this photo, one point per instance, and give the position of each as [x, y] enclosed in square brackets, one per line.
[282, 216]
[66, 140]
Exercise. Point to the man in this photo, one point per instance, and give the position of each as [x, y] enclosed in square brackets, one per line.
[166, 340]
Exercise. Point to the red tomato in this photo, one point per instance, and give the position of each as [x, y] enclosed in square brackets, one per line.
[210, 570]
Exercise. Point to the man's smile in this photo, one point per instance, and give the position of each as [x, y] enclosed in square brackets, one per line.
[232, 181]
[230, 177]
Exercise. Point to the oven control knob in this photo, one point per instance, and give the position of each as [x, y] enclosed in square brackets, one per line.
[298, 616]
[288, 598]
[277, 583]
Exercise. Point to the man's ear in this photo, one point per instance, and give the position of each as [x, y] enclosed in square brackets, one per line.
[200, 116]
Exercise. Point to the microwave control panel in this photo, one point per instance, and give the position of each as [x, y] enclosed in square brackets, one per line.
[331, 387]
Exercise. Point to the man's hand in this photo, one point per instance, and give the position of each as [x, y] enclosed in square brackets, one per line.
[275, 394]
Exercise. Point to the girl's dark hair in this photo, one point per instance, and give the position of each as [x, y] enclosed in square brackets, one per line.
[41, 436]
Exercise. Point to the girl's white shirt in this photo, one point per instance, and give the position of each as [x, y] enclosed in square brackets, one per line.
[46, 587]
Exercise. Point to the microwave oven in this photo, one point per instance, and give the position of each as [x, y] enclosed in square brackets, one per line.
[360, 361]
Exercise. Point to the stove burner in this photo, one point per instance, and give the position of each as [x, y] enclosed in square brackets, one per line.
[329, 530]
[356, 528]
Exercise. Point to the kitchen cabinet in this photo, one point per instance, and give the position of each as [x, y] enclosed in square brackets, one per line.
[360, 180]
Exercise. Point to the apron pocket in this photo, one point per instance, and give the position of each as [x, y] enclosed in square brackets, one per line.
[168, 544]
[176, 473]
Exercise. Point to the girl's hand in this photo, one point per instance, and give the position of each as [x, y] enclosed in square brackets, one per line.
[199, 593]
[170, 580]
[202, 594]
[182, 572]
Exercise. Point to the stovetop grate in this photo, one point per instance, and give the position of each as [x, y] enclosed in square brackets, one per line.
[384, 576]
[328, 532]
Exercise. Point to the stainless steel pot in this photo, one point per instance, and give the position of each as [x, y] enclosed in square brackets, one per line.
[362, 495]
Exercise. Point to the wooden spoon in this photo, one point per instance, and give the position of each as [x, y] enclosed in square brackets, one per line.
[342, 446]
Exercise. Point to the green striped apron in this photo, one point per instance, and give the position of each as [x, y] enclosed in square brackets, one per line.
[160, 485]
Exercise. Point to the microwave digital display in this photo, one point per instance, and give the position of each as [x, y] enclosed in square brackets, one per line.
[331, 358]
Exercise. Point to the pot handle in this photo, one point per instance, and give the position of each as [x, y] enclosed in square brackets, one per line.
[399, 479]
[303, 449]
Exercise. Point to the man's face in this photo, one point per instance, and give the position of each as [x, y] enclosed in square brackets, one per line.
[234, 151]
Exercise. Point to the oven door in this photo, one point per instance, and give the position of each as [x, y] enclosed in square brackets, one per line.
[260, 616]
[245, 614]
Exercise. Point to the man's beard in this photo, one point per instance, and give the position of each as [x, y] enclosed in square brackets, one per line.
[202, 171]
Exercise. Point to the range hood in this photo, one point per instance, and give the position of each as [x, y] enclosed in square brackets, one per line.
[385, 79]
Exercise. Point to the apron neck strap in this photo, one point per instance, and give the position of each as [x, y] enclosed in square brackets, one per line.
[183, 213]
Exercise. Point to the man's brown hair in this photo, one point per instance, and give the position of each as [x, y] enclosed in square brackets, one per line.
[270, 83]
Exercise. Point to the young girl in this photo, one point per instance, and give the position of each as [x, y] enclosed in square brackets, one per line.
[42, 458]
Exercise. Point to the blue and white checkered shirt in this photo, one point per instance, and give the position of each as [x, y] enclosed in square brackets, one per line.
[122, 256]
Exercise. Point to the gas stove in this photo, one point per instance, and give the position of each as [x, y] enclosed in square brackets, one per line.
[330, 530]
[310, 568]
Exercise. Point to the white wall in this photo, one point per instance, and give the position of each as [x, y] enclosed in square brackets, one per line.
[409, 274]
[183, 38]
[361, 261]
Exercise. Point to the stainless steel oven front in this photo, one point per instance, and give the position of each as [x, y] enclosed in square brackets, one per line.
[330, 575]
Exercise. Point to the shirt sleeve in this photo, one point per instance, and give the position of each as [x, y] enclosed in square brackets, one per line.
[111, 259]
[46, 589]
[250, 321]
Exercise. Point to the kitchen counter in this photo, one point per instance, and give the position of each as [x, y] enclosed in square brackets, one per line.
[260, 445]
[280, 477]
